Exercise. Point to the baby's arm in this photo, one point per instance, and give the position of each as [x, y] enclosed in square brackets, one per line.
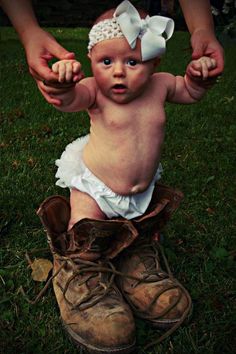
[193, 85]
[67, 94]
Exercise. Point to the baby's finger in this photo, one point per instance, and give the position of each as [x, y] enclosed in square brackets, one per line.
[213, 63]
[197, 67]
[76, 67]
[69, 71]
[62, 72]
[193, 72]
[78, 77]
[55, 68]
[196, 64]
[204, 70]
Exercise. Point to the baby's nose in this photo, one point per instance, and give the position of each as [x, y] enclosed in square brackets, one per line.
[119, 70]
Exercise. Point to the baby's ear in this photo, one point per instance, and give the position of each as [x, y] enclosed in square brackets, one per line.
[89, 56]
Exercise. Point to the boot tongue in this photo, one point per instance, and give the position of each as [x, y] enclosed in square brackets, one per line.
[87, 247]
[60, 243]
[88, 243]
[91, 239]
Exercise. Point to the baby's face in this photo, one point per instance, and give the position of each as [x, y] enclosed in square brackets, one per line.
[119, 71]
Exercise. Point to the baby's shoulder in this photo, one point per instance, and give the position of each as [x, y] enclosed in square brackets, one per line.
[164, 81]
[163, 78]
[88, 81]
[90, 84]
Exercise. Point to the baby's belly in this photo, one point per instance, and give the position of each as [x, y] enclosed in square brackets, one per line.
[123, 184]
[124, 176]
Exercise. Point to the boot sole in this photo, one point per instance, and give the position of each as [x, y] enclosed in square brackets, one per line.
[81, 343]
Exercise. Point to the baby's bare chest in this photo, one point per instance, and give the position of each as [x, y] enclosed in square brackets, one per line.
[136, 116]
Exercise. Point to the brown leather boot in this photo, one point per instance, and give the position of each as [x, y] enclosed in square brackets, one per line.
[153, 293]
[92, 308]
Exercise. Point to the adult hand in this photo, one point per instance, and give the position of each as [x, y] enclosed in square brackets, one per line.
[204, 43]
[201, 68]
[51, 91]
[68, 72]
[40, 47]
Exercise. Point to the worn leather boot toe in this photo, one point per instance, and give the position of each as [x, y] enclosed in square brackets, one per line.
[152, 291]
[92, 308]
[154, 294]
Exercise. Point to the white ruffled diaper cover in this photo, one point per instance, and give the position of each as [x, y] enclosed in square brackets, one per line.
[73, 173]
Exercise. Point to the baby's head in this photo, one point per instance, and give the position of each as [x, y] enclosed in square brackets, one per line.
[135, 26]
[124, 48]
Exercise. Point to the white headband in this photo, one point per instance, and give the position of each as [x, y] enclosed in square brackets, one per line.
[126, 22]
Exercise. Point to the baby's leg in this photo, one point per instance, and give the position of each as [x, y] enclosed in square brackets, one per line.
[83, 206]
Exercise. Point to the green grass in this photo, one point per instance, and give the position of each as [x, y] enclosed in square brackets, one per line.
[198, 158]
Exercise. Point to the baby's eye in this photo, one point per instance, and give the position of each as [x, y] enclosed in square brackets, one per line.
[107, 61]
[132, 62]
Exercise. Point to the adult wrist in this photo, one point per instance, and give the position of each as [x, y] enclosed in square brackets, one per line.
[29, 33]
[209, 30]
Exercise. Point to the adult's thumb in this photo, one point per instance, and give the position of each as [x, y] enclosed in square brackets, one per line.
[70, 55]
[198, 51]
[61, 53]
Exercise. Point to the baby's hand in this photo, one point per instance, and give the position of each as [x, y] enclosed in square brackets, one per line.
[200, 68]
[69, 71]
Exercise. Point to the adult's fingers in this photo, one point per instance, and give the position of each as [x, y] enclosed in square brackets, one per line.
[57, 51]
[39, 68]
[198, 50]
[58, 85]
[41, 71]
[219, 58]
[48, 98]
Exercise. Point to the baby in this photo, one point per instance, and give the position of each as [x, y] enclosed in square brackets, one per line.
[112, 171]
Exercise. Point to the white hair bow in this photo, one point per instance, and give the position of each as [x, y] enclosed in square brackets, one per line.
[150, 30]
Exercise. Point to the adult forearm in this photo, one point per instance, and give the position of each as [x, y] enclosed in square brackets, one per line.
[197, 15]
[21, 15]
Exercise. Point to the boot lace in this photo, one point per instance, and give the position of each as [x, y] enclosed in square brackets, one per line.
[149, 255]
[102, 288]
[85, 271]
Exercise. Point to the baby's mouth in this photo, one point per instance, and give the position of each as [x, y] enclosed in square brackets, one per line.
[119, 88]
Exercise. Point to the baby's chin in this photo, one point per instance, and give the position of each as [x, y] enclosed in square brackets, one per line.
[122, 97]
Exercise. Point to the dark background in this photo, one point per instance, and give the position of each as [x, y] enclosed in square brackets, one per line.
[82, 13]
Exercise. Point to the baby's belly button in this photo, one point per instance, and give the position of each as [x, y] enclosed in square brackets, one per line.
[128, 189]
[138, 188]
